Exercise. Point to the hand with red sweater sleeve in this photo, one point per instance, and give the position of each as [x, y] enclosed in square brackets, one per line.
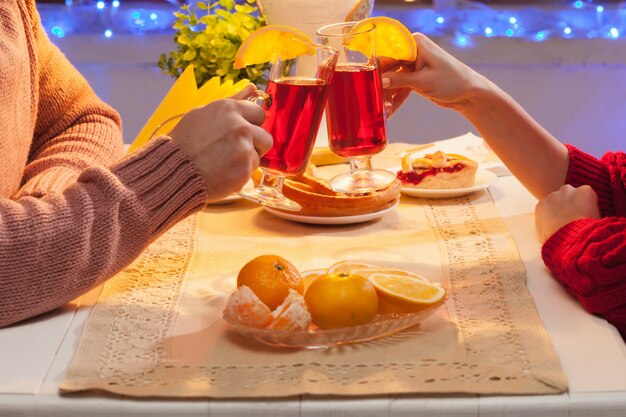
[588, 254]
[74, 128]
[564, 206]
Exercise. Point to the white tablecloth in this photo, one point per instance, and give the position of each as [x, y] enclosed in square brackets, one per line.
[34, 356]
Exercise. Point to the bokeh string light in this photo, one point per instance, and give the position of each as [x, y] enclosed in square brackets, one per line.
[463, 20]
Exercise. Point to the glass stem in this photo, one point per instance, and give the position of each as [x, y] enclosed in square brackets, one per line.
[360, 163]
[275, 182]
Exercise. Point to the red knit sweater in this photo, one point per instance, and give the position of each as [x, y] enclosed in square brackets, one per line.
[71, 217]
[589, 256]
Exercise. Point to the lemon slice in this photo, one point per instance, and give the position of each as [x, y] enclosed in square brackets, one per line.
[311, 275]
[458, 157]
[409, 155]
[407, 163]
[271, 42]
[405, 294]
[409, 160]
[346, 267]
[368, 272]
[391, 37]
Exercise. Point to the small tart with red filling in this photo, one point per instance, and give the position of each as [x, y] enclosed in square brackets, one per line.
[439, 170]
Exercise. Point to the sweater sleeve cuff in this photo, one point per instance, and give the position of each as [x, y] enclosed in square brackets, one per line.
[553, 250]
[584, 169]
[165, 180]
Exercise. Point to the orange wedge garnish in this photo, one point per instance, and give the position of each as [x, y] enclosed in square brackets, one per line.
[271, 42]
[392, 39]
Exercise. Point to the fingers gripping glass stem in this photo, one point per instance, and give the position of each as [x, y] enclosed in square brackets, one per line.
[269, 189]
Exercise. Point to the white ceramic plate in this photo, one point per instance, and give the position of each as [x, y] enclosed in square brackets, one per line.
[484, 178]
[330, 220]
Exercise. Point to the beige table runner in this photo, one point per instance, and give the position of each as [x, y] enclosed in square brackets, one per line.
[157, 329]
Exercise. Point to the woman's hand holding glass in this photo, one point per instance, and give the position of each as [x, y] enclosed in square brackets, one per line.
[436, 75]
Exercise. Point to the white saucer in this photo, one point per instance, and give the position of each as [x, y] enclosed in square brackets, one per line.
[360, 218]
[484, 178]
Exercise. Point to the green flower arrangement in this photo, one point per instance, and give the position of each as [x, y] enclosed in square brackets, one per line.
[210, 41]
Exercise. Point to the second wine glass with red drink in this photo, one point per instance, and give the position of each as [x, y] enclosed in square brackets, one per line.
[294, 103]
[355, 112]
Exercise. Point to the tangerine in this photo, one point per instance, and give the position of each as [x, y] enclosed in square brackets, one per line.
[341, 300]
[270, 277]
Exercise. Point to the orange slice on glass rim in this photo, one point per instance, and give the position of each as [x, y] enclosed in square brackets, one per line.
[400, 293]
[391, 37]
[271, 42]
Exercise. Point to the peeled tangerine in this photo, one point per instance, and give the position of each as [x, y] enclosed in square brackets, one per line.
[249, 310]
[292, 314]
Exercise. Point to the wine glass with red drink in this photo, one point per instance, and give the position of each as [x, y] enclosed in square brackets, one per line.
[294, 102]
[355, 111]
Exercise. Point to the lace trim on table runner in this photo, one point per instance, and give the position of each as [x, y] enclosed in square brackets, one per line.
[126, 329]
[487, 283]
[482, 257]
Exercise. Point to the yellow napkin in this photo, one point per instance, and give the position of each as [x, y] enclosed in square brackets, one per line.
[182, 97]
[324, 156]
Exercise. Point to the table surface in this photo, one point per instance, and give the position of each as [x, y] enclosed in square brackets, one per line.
[34, 356]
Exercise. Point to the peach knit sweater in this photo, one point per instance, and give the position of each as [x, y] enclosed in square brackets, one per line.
[70, 216]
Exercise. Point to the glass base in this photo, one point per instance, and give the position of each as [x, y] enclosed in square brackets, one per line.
[361, 181]
[271, 197]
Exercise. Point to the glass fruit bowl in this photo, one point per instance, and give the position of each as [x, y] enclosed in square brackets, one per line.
[383, 325]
